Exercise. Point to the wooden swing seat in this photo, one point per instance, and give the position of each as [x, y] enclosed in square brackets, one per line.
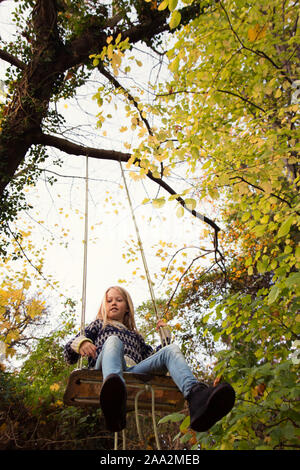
[84, 385]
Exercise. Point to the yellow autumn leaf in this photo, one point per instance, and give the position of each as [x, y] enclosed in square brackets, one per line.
[130, 161]
[116, 60]
[161, 157]
[163, 5]
[54, 387]
[142, 132]
[159, 202]
[277, 93]
[190, 203]
[134, 176]
[257, 32]
[180, 211]
[110, 51]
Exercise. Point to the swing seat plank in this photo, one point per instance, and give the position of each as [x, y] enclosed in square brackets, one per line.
[84, 385]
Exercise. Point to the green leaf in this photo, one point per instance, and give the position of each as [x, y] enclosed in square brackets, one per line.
[285, 227]
[185, 423]
[248, 261]
[186, 437]
[195, 152]
[274, 293]
[174, 65]
[163, 5]
[206, 164]
[173, 418]
[175, 19]
[246, 216]
[261, 267]
[172, 4]
[260, 230]
[293, 280]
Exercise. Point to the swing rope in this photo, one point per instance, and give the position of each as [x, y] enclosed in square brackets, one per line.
[85, 242]
[140, 244]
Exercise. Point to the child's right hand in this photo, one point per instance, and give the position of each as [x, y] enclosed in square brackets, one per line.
[88, 349]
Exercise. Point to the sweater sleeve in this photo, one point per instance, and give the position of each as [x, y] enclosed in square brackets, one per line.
[71, 354]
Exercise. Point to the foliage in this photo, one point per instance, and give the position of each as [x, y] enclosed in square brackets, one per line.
[32, 414]
[233, 114]
[23, 294]
[18, 312]
[230, 115]
[228, 119]
[51, 63]
[22, 305]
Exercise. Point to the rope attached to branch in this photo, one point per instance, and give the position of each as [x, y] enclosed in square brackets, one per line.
[84, 275]
[140, 244]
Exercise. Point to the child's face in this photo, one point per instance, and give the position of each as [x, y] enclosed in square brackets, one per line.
[116, 305]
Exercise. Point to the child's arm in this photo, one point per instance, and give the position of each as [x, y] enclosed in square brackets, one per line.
[71, 350]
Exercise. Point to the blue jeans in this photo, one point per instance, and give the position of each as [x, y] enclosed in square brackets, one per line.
[168, 359]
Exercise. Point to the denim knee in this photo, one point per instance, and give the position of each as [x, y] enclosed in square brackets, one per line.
[171, 349]
[113, 340]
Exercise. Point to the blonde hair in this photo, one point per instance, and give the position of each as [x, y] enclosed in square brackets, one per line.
[128, 321]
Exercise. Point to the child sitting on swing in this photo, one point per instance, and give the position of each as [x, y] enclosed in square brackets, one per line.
[113, 344]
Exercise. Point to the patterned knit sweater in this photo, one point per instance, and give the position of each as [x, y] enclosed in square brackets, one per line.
[134, 345]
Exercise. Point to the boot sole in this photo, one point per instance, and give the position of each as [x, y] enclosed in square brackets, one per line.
[113, 397]
[219, 404]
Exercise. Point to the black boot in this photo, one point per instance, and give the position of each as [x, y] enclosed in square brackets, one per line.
[208, 405]
[113, 397]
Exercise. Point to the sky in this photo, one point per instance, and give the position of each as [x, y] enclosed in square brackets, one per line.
[57, 220]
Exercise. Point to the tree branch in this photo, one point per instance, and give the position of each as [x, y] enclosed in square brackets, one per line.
[4, 55]
[218, 90]
[75, 149]
[242, 179]
[118, 85]
[102, 154]
[241, 98]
